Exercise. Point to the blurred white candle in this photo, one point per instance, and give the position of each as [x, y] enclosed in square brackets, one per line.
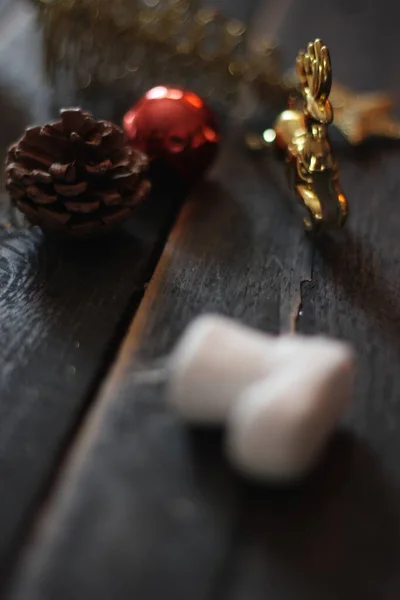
[212, 364]
[278, 427]
[279, 397]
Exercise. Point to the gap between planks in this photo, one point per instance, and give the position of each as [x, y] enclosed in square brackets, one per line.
[222, 255]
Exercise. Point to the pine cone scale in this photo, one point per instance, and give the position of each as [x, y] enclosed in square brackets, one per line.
[41, 177]
[82, 207]
[87, 127]
[40, 196]
[109, 198]
[19, 173]
[66, 173]
[44, 143]
[113, 140]
[76, 176]
[31, 160]
[69, 191]
[53, 130]
[73, 120]
[100, 168]
[94, 142]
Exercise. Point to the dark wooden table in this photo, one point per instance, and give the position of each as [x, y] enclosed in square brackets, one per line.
[104, 494]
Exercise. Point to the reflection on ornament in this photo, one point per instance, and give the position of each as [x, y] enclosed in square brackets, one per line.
[176, 129]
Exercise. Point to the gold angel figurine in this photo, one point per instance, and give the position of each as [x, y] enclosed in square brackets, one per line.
[303, 135]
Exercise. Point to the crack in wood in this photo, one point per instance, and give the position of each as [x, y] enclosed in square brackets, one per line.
[291, 296]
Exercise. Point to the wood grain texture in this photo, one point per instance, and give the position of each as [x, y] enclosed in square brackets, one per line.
[134, 462]
[334, 537]
[63, 312]
[63, 308]
[338, 535]
[146, 508]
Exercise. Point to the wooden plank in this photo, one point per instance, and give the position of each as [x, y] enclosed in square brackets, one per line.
[63, 309]
[338, 535]
[334, 537]
[134, 514]
[63, 314]
[143, 508]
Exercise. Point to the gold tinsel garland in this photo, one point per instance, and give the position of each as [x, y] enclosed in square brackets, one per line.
[178, 41]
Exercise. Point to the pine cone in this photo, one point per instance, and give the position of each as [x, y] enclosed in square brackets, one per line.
[76, 176]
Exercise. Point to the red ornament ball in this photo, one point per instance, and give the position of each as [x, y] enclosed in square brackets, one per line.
[176, 129]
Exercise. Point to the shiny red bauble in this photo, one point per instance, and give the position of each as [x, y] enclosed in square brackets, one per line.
[176, 129]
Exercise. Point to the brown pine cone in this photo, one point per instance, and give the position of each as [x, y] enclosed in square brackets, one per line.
[76, 176]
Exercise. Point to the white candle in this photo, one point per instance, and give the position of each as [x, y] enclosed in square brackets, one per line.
[212, 364]
[279, 426]
[279, 397]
